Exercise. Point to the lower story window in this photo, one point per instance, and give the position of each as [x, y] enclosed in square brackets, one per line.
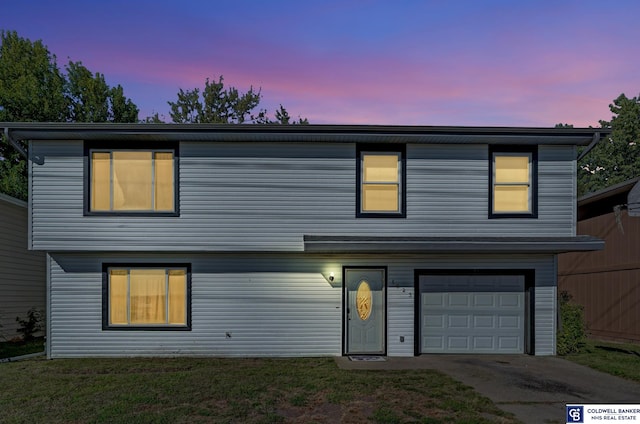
[146, 297]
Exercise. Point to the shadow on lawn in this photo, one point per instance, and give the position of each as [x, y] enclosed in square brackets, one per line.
[618, 350]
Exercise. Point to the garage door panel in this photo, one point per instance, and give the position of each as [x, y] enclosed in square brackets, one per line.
[433, 299]
[458, 321]
[510, 300]
[484, 343]
[508, 343]
[433, 342]
[484, 299]
[459, 343]
[432, 321]
[472, 313]
[484, 322]
[457, 300]
[509, 322]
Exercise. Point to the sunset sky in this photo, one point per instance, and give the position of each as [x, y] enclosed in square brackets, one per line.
[447, 62]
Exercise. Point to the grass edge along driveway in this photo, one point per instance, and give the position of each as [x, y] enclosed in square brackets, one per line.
[619, 359]
[193, 390]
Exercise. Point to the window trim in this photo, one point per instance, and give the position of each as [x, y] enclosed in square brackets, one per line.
[533, 151]
[110, 146]
[152, 327]
[402, 183]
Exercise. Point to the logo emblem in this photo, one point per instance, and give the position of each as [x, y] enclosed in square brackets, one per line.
[575, 413]
[364, 300]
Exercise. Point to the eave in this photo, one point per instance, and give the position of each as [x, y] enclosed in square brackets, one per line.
[360, 244]
[302, 133]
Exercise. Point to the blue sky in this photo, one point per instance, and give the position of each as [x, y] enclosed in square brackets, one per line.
[494, 62]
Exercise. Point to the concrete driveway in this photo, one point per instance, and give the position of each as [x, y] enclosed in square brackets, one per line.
[534, 388]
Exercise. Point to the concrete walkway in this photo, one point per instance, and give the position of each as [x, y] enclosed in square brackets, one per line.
[535, 389]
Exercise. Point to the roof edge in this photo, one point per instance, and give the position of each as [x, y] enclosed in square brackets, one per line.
[13, 200]
[65, 130]
[346, 244]
[619, 188]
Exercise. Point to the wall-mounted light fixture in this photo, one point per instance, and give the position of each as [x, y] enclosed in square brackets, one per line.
[333, 278]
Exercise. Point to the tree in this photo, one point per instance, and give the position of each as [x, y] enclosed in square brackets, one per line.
[31, 84]
[617, 158]
[217, 105]
[220, 105]
[33, 89]
[283, 118]
[90, 99]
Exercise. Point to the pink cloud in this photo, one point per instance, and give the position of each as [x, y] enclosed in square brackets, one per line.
[502, 69]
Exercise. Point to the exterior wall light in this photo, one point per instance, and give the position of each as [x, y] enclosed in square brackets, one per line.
[333, 278]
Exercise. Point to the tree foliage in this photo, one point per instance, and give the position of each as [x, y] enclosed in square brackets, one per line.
[90, 99]
[34, 89]
[617, 158]
[31, 84]
[217, 104]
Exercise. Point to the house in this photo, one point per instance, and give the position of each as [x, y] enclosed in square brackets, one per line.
[22, 272]
[607, 283]
[302, 240]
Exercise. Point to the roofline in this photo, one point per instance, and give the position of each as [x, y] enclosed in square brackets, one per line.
[359, 244]
[13, 200]
[355, 133]
[620, 188]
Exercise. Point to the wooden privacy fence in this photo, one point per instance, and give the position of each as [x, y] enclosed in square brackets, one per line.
[607, 282]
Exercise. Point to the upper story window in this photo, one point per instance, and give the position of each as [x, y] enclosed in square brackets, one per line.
[513, 191]
[132, 181]
[381, 181]
[146, 297]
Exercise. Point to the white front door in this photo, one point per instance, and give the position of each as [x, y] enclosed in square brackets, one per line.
[365, 311]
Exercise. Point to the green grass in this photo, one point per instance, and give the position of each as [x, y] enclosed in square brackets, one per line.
[620, 359]
[189, 390]
[12, 349]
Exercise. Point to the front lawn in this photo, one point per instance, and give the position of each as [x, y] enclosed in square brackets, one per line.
[619, 359]
[188, 390]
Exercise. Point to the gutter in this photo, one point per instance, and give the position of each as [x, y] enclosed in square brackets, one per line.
[594, 141]
[14, 143]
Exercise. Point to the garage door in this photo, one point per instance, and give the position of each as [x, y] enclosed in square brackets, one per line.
[472, 313]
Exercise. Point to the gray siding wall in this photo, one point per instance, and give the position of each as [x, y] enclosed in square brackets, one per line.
[271, 304]
[265, 197]
[22, 273]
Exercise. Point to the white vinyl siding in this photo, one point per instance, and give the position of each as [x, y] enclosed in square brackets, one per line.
[265, 304]
[266, 197]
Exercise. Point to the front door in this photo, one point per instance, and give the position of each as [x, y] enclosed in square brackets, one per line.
[365, 311]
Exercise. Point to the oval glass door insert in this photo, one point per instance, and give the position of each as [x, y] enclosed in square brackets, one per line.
[364, 300]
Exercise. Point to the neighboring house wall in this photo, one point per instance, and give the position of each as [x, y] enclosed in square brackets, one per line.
[22, 272]
[270, 304]
[607, 283]
[265, 196]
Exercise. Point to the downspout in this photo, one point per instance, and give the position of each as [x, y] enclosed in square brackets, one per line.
[15, 144]
[594, 141]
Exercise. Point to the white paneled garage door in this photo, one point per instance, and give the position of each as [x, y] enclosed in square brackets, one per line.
[472, 313]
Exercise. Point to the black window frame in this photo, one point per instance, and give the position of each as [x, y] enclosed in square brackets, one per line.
[533, 151]
[136, 265]
[121, 145]
[399, 149]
